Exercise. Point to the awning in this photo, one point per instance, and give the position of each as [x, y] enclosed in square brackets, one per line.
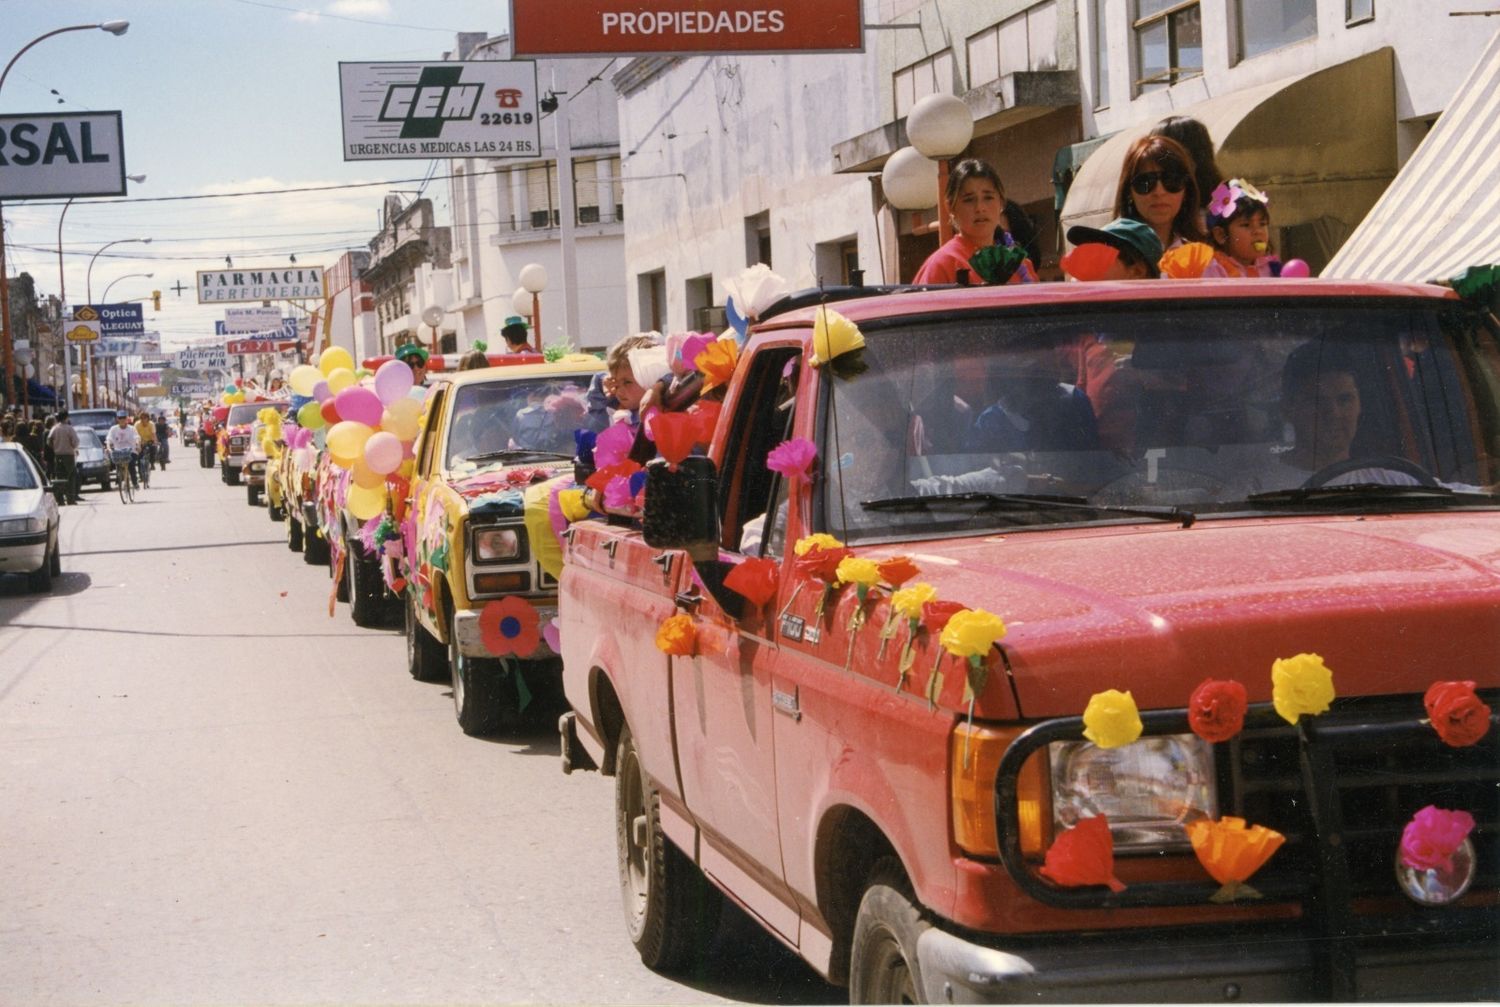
[1323, 144]
[1442, 213]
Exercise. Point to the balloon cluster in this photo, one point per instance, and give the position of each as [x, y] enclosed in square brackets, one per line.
[369, 427]
[232, 395]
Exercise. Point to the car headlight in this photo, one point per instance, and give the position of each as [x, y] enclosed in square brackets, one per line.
[497, 545]
[1149, 789]
[22, 525]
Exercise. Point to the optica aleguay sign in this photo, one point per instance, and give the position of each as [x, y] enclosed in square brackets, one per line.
[636, 28]
[61, 155]
[483, 108]
[270, 284]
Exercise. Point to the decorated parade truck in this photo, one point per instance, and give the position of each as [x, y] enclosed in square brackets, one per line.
[235, 435]
[1119, 641]
[478, 598]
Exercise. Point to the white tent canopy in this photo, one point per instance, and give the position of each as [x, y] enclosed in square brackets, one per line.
[1442, 212]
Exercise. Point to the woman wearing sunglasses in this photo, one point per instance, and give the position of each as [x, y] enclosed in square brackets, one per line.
[1157, 187]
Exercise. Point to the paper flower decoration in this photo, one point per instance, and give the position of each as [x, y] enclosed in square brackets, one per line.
[1300, 685]
[572, 505]
[817, 540]
[970, 634]
[793, 458]
[833, 336]
[906, 603]
[717, 362]
[677, 636]
[612, 446]
[1232, 853]
[601, 479]
[1084, 855]
[705, 414]
[935, 615]
[1111, 719]
[1187, 261]
[617, 496]
[674, 434]
[1457, 713]
[863, 574]
[897, 570]
[1216, 710]
[1432, 837]
[1222, 204]
[583, 446]
[755, 289]
[754, 579]
[817, 557]
[509, 626]
[1089, 261]
[996, 264]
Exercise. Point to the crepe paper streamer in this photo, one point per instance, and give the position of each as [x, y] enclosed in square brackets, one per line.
[1090, 261]
[509, 626]
[1232, 852]
[754, 579]
[1216, 710]
[1084, 855]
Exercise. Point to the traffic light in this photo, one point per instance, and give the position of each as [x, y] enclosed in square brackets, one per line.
[156, 300]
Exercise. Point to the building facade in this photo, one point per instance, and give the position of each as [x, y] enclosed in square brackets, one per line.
[409, 263]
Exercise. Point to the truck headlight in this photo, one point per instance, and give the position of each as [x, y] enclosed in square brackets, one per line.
[497, 545]
[1149, 788]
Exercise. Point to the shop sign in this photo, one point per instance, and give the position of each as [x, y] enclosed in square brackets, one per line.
[483, 108]
[62, 155]
[632, 28]
[264, 284]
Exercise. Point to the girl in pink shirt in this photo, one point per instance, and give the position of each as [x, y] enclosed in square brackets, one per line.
[976, 204]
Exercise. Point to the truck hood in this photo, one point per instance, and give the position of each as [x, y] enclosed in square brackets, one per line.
[499, 480]
[1391, 603]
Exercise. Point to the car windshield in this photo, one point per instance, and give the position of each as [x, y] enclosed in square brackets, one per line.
[1190, 409]
[245, 412]
[88, 438]
[15, 472]
[513, 420]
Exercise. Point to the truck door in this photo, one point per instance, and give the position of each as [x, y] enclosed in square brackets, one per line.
[721, 701]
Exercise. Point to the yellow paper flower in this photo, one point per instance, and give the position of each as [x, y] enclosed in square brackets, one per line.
[857, 570]
[833, 336]
[573, 507]
[908, 601]
[1301, 684]
[1111, 719]
[971, 633]
[677, 636]
[820, 540]
[1229, 851]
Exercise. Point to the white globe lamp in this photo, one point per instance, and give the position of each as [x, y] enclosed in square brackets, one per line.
[534, 278]
[940, 126]
[910, 180]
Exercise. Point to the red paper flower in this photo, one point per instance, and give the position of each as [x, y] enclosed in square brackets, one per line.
[822, 564]
[601, 479]
[793, 458]
[705, 414]
[1459, 716]
[1432, 837]
[1216, 711]
[897, 570]
[509, 626]
[935, 614]
[675, 434]
[1084, 855]
[754, 579]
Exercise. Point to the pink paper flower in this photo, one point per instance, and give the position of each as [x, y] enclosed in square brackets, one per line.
[613, 445]
[617, 493]
[793, 458]
[1432, 836]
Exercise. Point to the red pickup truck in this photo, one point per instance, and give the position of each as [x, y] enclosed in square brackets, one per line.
[1152, 485]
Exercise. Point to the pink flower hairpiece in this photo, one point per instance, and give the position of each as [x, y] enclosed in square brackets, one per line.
[1231, 192]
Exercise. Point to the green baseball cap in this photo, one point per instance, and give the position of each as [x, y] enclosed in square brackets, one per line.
[408, 350]
[1122, 233]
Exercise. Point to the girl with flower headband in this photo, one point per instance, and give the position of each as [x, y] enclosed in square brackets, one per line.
[1239, 227]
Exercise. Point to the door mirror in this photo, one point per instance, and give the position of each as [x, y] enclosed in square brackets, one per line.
[682, 507]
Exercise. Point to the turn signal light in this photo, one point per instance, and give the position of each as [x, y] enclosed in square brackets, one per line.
[975, 759]
[501, 583]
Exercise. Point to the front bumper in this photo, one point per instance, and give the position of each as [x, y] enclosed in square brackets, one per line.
[471, 644]
[1253, 964]
[254, 473]
[23, 553]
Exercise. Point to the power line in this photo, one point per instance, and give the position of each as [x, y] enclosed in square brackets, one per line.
[345, 17]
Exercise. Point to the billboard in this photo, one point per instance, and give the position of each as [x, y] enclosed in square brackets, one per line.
[144, 377]
[257, 319]
[271, 283]
[85, 326]
[238, 347]
[61, 155]
[201, 358]
[632, 28]
[122, 319]
[485, 108]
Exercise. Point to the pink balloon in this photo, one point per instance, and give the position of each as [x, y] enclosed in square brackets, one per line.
[1295, 269]
[408, 450]
[383, 453]
[322, 392]
[392, 381]
[360, 405]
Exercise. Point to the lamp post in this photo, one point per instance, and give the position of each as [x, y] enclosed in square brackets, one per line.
[104, 297]
[534, 280]
[62, 300]
[7, 366]
[940, 127]
[89, 277]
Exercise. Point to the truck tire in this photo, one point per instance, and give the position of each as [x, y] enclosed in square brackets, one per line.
[366, 586]
[314, 547]
[883, 965]
[275, 511]
[483, 692]
[231, 475]
[671, 909]
[425, 657]
[293, 533]
[252, 495]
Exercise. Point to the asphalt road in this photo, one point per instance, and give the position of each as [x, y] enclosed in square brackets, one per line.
[212, 792]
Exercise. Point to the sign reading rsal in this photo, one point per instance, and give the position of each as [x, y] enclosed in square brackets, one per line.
[271, 284]
[63, 155]
[630, 27]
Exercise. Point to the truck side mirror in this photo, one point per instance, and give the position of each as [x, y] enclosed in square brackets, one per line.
[682, 507]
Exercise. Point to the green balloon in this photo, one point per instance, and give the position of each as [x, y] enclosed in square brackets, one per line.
[310, 416]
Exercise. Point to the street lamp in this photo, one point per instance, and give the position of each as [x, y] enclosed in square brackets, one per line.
[940, 126]
[534, 280]
[114, 27]
[104, 297]
[62, 300]
[89, 276]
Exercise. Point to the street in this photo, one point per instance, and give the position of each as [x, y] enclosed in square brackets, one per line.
[213, 792]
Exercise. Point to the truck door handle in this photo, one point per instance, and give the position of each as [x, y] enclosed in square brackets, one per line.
[688, 602]
[664, 560]
[610, 548]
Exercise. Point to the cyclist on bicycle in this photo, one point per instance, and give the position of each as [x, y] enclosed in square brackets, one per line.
[147, 431]
[124, 444]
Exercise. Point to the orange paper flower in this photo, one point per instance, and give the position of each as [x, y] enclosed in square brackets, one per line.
[897, 570]
[509, 626]
[717, 362]
[677, 636]
[1231, 852]
[1084, 855]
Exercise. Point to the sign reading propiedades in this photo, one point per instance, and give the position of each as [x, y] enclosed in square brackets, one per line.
[485, 108]
[270, 284]
[61, 155]
[633, 28]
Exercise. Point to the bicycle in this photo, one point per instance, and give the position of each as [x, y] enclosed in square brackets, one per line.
[121, 462]
[147, 458]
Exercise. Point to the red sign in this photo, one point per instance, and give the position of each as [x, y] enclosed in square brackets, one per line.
[259, 345]
[637, 28]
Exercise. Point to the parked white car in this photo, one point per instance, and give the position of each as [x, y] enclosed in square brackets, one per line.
[28, 520]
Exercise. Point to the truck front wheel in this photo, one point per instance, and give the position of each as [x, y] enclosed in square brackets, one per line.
[883, 966]
[671, 909]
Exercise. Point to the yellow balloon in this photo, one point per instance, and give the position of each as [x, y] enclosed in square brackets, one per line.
[303, 378]
[365, 503]
[407, 468]
[346, 442]
[363, 475]
[341, 379]
[402, 418]
[334, 358]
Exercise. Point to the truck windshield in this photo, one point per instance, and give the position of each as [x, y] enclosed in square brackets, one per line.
[1197, 409]
[245, 412]
[492, 421]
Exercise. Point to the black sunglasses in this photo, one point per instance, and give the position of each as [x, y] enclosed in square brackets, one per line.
[1172, 181]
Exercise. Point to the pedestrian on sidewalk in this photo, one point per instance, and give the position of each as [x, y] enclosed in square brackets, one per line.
[63, 443]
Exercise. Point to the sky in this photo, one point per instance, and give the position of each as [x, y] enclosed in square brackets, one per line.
[217, 97]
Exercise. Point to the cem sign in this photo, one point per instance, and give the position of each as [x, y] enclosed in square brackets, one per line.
[217, 286]
[64, 155]
[485, 108]
[633, 28]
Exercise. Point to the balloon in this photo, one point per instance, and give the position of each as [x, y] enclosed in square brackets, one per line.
[392, 381]
[408, 469]
[408, 450]
[402, 418]
[335, 358]
[310, 416]
[329, 412]
[341, 379]
[346, 442]
[303, 377]
[383, 453]
[364, 503]
[230, 389]
[321, 391]
[362, 475]
[360, 405]
[1295, 269]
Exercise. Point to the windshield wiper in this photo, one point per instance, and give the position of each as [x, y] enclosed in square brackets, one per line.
[1028, 501]
[512, 454]
[1364, 493]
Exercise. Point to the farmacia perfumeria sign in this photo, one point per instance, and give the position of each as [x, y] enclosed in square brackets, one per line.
[216, 286]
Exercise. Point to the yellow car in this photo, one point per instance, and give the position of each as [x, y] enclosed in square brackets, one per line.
[478, 603]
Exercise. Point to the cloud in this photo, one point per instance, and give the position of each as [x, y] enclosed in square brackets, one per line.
[361, 8]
